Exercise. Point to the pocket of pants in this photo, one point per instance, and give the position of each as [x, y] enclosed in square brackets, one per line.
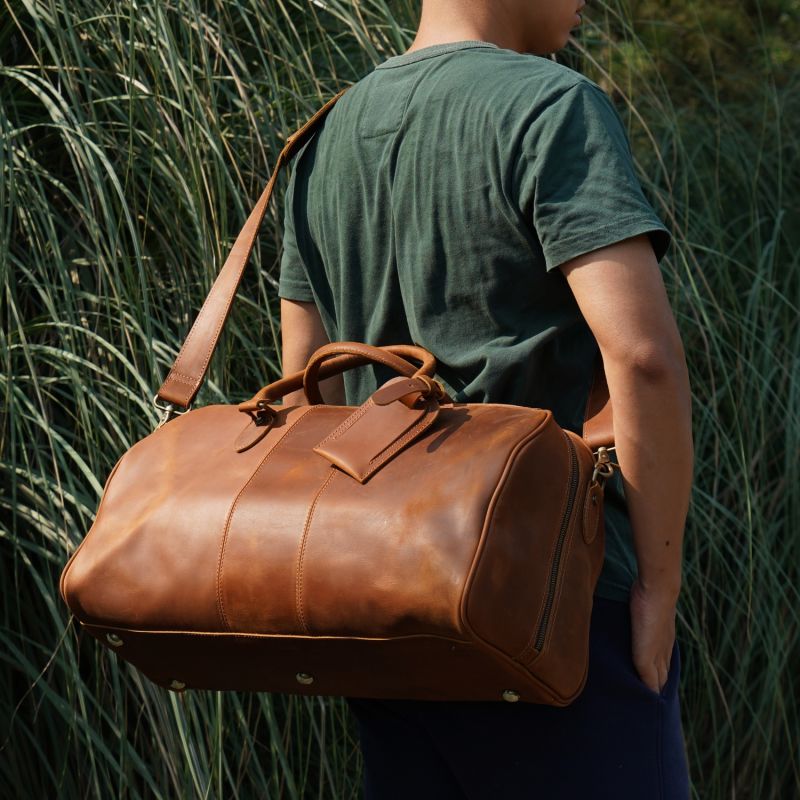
[673, 676]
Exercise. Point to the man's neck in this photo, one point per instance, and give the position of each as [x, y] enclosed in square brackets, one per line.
[440, 25]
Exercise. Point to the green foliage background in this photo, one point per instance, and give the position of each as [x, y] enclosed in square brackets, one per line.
[134, 138]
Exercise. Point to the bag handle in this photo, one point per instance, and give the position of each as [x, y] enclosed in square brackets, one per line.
[393, 358]
[332, 359]
[189, 369]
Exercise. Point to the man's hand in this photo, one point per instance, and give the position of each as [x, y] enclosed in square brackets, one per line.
[653, 633]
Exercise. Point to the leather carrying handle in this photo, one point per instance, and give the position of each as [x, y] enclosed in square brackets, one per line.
[189, 369]
[332, 359]
[393, 357]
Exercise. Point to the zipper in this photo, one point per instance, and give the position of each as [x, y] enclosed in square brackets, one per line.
[562, 535]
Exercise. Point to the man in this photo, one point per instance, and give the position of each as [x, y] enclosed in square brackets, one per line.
[475, 197]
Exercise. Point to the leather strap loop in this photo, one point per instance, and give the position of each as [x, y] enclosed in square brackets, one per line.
[598, 422]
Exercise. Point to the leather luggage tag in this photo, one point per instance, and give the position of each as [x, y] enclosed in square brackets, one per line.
[376, 431]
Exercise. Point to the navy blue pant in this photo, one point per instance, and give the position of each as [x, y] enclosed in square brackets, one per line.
[619, 740]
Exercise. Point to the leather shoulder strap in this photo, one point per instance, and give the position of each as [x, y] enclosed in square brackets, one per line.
[187, 373]
[598, 422]
[189, 369]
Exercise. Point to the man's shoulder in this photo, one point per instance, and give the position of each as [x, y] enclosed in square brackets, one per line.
[536, 68]
[489, 88]
[499, 74]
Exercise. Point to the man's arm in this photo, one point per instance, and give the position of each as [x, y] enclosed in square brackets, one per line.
[302, 333]
[621, 294]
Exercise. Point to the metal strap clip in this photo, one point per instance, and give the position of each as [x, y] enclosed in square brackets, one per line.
[603, 465]
[168, 411]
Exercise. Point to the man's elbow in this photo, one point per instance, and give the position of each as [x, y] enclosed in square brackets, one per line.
[653, 361]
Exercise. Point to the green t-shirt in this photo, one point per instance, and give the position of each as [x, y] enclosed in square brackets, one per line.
[433, 206]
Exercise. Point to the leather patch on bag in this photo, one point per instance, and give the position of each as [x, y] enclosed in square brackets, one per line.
[252, 433]
[373, 434]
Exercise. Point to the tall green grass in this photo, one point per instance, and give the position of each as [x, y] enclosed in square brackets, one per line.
[134, 138]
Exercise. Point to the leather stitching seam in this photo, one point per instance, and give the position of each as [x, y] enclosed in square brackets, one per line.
[348, 422]
[301, 554]
[238, 264]
[181, 378]
[244, 635]
[223, 544]
[387, 453]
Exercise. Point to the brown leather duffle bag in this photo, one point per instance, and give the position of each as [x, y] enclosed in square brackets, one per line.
[411, 547]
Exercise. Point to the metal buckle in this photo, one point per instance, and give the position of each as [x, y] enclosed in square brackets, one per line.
[168, 411]
[265, 414]
[435, 389]
[603, 465]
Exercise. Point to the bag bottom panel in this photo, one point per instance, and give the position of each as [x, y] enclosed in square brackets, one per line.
[409, 667]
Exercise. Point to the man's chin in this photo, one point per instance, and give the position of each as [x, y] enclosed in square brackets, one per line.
[548, 48]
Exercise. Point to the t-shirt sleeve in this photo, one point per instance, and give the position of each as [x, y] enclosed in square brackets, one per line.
[293, 281]
[578, 184]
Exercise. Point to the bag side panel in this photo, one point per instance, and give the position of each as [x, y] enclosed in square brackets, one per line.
[505, 596]
[149, 560]
[62, 581]
[563, 660]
